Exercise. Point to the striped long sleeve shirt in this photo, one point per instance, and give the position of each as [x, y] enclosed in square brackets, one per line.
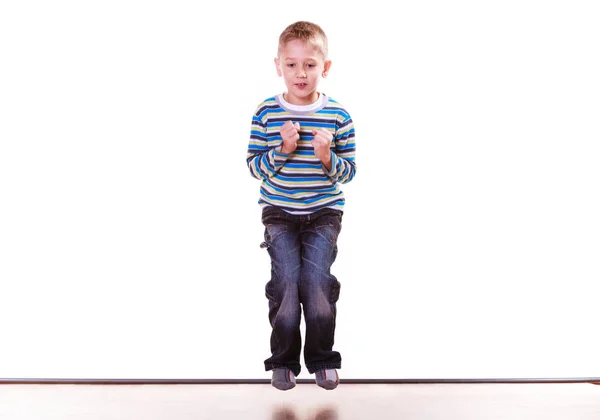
[298, 182]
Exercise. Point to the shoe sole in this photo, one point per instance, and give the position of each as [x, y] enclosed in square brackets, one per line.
[283, 386]
[328, 385]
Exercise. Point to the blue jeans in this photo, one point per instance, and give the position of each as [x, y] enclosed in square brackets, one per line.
[302, 250]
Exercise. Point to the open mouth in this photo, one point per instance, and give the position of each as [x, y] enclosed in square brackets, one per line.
[301, 85]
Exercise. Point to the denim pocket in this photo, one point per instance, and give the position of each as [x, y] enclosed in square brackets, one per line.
[275, 224]
[329, 227]
[274, 231]
[333, 219]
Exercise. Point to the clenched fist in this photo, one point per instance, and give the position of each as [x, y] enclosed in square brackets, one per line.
[290, 133]
[321, 143]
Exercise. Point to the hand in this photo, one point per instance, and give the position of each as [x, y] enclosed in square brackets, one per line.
[290, 133]
[321, 143]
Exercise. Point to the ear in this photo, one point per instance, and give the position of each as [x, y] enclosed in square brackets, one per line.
[278, 67]
[326, 68]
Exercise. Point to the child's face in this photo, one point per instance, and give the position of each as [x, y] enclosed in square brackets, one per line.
[301, 65]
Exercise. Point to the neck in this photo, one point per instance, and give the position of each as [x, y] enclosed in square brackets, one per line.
[312, 101]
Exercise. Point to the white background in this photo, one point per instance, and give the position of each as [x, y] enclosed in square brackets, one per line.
[130, 230]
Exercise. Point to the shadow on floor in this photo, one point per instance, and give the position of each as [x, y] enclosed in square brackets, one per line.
[321, 414]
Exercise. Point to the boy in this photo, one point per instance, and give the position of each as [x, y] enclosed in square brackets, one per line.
[302, 147]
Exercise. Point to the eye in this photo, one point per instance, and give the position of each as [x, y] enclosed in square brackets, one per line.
[291, 65]
[311, 65]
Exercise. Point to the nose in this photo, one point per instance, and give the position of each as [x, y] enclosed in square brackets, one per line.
[301, 73]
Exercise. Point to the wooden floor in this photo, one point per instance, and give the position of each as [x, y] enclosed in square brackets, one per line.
[579, 401]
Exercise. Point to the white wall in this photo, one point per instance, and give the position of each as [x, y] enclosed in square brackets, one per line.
[470, 242]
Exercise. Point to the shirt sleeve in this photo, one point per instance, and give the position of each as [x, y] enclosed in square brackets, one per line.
[262, 160]
[343, 163]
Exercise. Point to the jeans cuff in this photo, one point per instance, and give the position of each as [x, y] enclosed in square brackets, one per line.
[271, 366]
[313, 369]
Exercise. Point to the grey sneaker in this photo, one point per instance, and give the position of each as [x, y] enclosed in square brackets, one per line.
[327, 378]
[283, 379]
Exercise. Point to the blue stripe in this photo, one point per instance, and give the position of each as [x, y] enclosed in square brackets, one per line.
[304, 165]
[344, 146]
[299, 179]
[254, 148]
[292, 200]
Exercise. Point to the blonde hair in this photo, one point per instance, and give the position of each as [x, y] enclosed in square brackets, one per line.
[305, 31]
